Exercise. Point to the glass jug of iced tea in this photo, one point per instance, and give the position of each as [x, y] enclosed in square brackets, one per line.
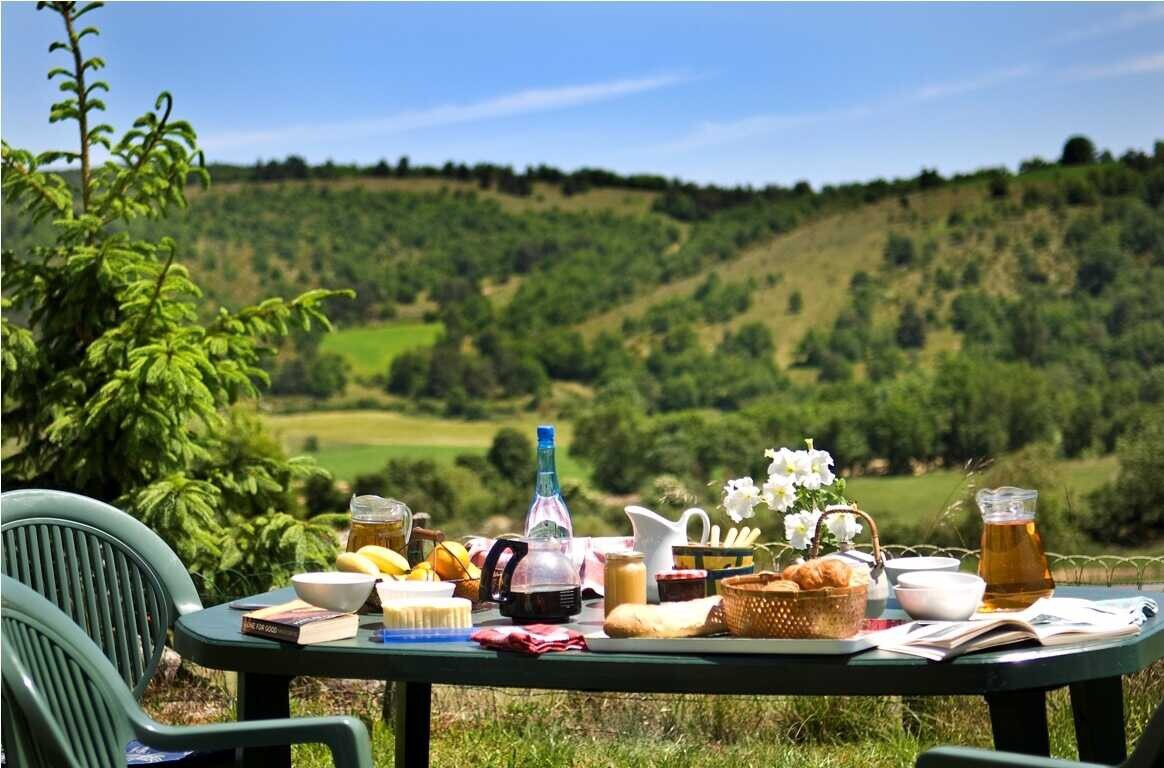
[1013, 564]
[379, 521]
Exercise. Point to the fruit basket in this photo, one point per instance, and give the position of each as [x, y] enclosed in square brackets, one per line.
[827, 612]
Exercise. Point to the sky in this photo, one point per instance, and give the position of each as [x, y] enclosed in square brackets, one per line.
[723, 93]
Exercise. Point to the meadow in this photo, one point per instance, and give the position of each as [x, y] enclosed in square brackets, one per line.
[369, 349]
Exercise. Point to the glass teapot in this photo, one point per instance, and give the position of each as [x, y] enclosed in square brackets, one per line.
[379, 521]
[1013, 562]
[538, 583]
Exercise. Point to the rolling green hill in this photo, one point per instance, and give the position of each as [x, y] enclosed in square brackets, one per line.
[909, 326]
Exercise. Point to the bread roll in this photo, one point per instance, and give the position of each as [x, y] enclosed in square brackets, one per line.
[821, 572]
[835, 573]
[781, 585]
[692, 618]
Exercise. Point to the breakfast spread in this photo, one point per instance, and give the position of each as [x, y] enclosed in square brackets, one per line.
[669, 593]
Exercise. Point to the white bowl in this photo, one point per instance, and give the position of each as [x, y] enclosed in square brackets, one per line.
[940, 596]
[334, 590]
[899, 565]
[395, 590]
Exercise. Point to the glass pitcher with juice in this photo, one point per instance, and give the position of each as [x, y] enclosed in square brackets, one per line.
[1013, 564]
[379, 521]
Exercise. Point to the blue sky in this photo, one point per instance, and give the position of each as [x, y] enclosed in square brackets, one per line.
[722, 93]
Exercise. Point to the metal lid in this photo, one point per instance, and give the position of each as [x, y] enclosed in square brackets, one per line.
[690, 574]
[625, 556]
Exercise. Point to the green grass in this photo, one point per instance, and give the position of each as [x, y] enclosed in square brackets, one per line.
[347, 461]
[369, 349]
[353, 442]
[548, 729]
[907, 500]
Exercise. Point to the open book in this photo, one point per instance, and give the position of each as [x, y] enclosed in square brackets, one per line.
[1049, 621]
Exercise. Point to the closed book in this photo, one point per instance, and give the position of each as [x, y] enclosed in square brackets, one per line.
[300, 622]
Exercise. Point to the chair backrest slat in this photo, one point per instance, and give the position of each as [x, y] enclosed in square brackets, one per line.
[111, 575]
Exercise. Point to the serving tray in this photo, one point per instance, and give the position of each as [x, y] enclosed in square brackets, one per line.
[862, 641]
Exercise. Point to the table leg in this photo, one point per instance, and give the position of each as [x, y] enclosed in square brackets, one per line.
[264, 697]
[1019, 722]
[413, 706]
[1098, 707]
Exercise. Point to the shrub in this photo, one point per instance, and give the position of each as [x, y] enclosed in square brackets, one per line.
[795, 302]
[1078, 150]
[1130, 511]
[899, 250]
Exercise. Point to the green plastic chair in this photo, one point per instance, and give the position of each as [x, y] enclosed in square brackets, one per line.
[1149, 753]
[113, 576]
[72, 709]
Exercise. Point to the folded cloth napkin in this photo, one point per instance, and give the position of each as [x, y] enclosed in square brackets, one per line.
[1136, 609]
[533, 639]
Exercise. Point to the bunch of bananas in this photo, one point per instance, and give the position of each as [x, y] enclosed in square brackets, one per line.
[448, 561]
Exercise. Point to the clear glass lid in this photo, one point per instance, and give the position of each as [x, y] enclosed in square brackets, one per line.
[1007, 503]
[544, 565]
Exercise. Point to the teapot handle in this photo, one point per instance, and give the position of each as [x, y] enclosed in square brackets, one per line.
[485, 591]
[685, 518]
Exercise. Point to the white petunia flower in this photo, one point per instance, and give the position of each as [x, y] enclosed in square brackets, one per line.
[844, 526]
[800, 527]
[740, 497]
[779, 493]
[786, 463]
[817, 472]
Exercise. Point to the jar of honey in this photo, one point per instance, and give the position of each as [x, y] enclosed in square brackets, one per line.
[624, 579]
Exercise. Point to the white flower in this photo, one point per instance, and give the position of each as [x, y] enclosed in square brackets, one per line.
[740, 497]
[843, 525]
[780, 493]
[786, 463]
[800, 527]
[816, 473]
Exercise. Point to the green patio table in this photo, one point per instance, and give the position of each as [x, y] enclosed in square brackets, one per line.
[1014, 681]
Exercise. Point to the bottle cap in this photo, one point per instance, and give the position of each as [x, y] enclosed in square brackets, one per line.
[546, 433]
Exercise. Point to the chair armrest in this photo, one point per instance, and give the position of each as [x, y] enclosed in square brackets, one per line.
[967, 757]
[345, 736]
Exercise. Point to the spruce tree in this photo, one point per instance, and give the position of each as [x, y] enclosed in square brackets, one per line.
[117, 383]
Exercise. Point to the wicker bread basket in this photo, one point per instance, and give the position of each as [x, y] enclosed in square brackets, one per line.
[830, 612]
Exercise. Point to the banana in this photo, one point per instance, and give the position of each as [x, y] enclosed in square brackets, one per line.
[387, 560]
[353, 562]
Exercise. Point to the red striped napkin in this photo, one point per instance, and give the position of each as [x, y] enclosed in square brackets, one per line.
[534, 639]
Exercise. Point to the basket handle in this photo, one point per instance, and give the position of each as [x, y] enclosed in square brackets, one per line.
[834, 509]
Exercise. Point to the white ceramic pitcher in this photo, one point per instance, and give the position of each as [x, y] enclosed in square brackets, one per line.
[654, 537]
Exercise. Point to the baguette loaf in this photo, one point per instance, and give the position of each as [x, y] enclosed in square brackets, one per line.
[693, 618]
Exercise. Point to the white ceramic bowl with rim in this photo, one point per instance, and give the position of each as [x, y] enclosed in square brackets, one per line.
[899, 565]
[940, 595]
[396, 590]
[334, 590]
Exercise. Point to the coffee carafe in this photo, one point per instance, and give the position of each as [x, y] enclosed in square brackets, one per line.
[538, 583]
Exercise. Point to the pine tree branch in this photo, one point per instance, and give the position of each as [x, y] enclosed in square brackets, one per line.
[82, 102]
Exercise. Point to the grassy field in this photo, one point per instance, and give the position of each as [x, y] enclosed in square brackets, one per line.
[911, 500]
[370, 348]
[352, 442]
[548, 729]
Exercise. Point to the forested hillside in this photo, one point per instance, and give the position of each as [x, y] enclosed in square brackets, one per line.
[908, 324]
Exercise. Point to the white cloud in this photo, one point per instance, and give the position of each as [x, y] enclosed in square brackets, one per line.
[518, 103]
[1153, 62]
[714, 133]
[1151, 14]
[987, 80]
